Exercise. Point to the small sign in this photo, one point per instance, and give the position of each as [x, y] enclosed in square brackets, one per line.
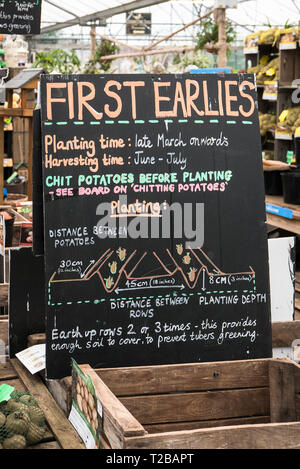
[20, 16]
[289, 40]
[250, 50]
[8, 163]
[86, 414]
[283, 135]
[251, 44]
[33, 358]
[283, 352]
[138, 23]
[281, 211]
[270, 91]
[282, 273]
[287, 45]
[213, 70]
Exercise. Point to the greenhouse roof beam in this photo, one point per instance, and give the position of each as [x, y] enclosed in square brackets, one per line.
[61, 8]
[123, 8]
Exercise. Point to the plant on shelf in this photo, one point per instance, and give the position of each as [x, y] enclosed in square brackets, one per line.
[58, 61]
[95, 65]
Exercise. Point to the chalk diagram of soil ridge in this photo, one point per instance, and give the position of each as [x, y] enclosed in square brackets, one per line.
[115, 267]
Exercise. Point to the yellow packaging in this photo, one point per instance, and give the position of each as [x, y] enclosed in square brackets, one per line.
[270, 72]
[264, 60]
[283, 115]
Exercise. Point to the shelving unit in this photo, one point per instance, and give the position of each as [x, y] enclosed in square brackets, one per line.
[289, 71]
[27, 80]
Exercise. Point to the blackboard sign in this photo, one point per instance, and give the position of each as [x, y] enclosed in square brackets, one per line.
[26, 298]
[20, 16]
[154, 220]
[37, 187]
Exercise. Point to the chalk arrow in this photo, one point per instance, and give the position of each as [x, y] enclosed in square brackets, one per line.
[181, 287]
[89, 266]
[203, 280]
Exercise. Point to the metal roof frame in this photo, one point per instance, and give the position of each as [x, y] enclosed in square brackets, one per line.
[107, 13]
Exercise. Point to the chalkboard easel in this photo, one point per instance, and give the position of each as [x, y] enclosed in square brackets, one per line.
[121, 154]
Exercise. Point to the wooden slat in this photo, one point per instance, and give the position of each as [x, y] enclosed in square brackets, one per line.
[48, 435]
[262, 436]
[185, 377]
[297, 378]
[297, 315]
[282, 391]
[47, 445]
[104, 443]
[297, 304]
[15, 383]
[117, 420]
[4, 330]
[61, 390]
[297, 406]
[284, 333]
[35, 339]
[62, 429]
[212, 405]
[7, 371]
[278, 200]
[179, 426]
[283, 223]
[16, 112]
[4, 294]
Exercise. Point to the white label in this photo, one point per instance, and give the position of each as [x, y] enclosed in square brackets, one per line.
[33, 358]
[99, 408]
[82, 429]
[283, 352]
[270, 96]
[251, 50]
[287, 45]
[283, 136]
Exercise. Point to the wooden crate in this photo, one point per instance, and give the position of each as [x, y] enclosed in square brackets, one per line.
[4, 328]
[283, 334]
[253, 404]
[60, 434]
